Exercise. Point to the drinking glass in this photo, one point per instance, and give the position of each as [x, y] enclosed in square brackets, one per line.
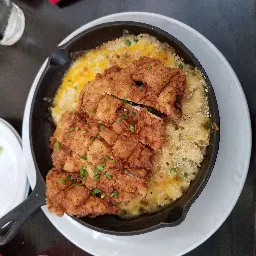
[12, 22]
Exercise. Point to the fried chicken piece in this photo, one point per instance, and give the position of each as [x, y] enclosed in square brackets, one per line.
[116, 184]
[146, 81]
[63, 197]
[76, 135]
[135, 123]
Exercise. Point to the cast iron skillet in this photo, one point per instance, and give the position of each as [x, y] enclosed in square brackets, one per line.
[41, 128]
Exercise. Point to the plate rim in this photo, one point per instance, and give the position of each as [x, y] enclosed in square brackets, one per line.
[241, 93]
[16, 136]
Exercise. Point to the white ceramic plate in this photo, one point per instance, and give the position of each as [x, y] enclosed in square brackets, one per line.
[13, 177]
[224, 187]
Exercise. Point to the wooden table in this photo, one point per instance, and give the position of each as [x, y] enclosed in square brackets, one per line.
[229, 24]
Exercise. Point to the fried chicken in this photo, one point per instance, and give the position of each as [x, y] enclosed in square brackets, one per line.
[103, 151]
[65, 196]
[146, 81]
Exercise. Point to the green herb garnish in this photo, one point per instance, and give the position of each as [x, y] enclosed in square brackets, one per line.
[125, 100]
[96, 177]
[96, 191]
[141, 87]
[106, 157]
[84, 132]
[73, 185]
[91, 111]
[174, 169]
[119, 120]
[102, 196]
[114, 193]
[102, 127]
[124, 116]
[108, 175]
[128, 42]
[131, 84]
[75, 87]
[208, 125]
[84, 157]
[113, 160]
[72, 129]
[132, 128]
[133, 113]
[99, 137]
[93, 139]
[135, 40]
[70, 178]
[150, 110]
[101, 166]
[62, 181]
[58, 145]
[180, 66]
[83, 172]
[185, 174]
[149, 67]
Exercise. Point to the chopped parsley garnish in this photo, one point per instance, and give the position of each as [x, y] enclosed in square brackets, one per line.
[99, 137]
[72, 129]
[73, 185]
[185, 174]
[113, 160]
[84, 132]
[150, 110]
[131, 84]
[101, 166]
[119, 120]
[96, 177]
[141, 88]
[106, 157]
[102, 196]
[208, 125]
[83, 172]
[70, 178]
[174, 169]
[84, 157]
[58, 145]
[125, 100]
[91, 111]
[102, 127]
[133, 113]
[68, 134]
[149, 67]
[93, 139]
[132, 128]
[96, 191]
[62, 181]
[128, 42]
[124, 116]
[180, 66]
[108, 175]
[114, 193]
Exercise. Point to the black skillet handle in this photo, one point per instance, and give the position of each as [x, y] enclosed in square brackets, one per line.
[176, 216]
[16, 217]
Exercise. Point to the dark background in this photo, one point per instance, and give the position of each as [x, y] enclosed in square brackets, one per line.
[228, 24]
